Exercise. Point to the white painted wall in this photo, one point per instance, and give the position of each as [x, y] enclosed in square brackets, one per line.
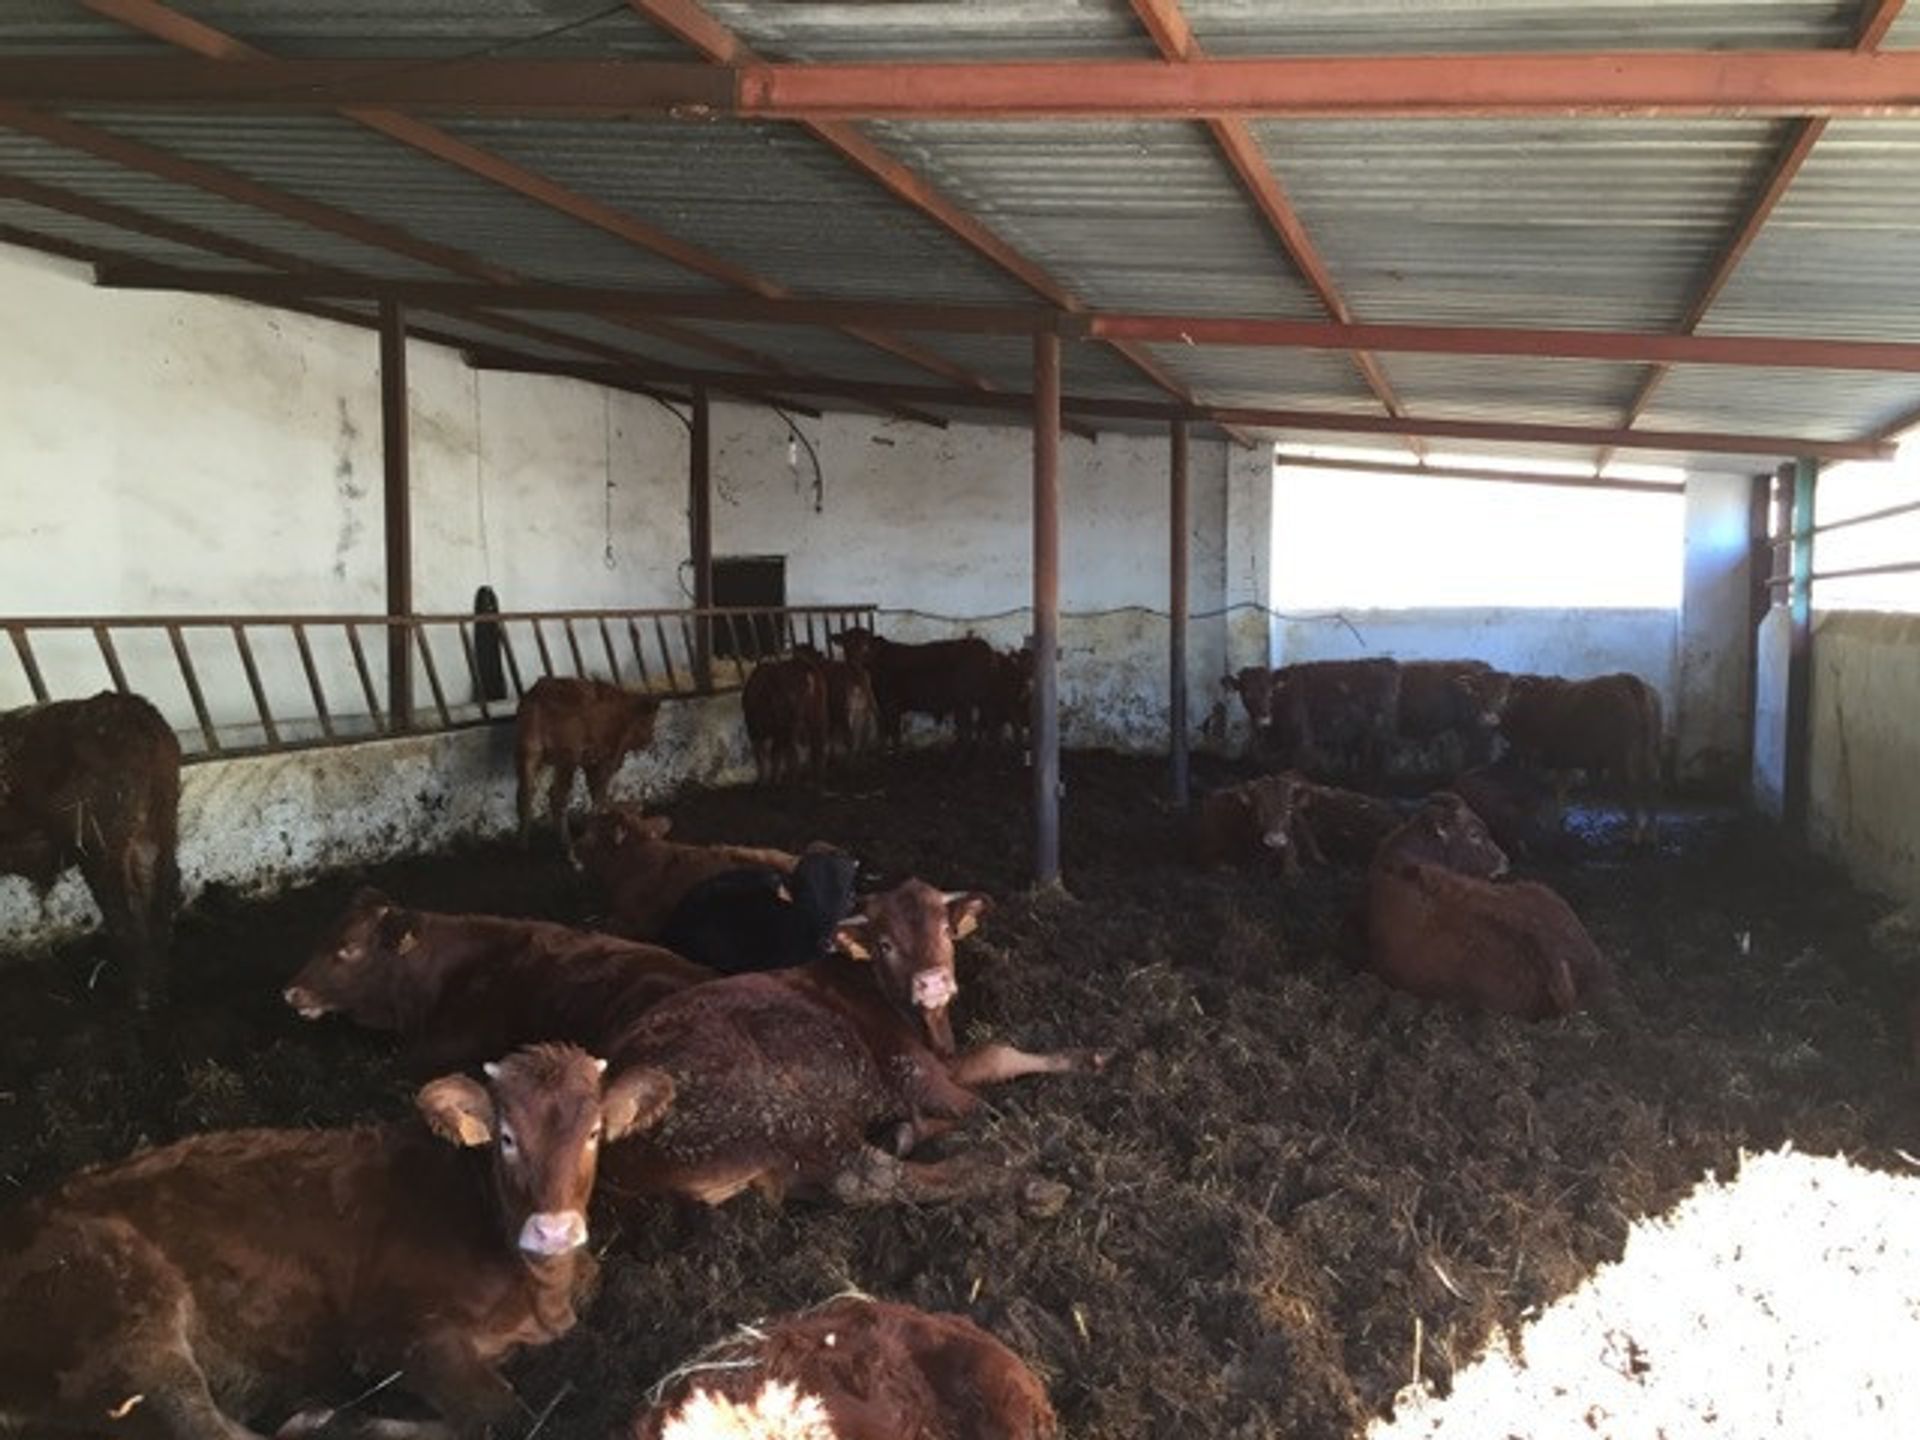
[1770, 712]
[1710, 695]
[1864, 776]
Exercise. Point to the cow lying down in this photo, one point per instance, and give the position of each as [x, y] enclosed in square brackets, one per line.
[644, 875]
[241, 1273]
[461, 988]
[1439, 926]
[779, 1079]
[755, 918]
[853, 1369]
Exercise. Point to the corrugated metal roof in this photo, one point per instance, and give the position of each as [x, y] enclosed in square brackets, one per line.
[761, 196]
[1242, 375]
[344, 165]
[1819, 404]
[59, 225]
[29, 27]
[1130, 216]
[1555, 392]
[437, 28]
[1331, 27]
[1609, 224]
[935, 29]
[1841, 254]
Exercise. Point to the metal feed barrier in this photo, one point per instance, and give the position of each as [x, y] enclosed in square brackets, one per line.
[253, 684]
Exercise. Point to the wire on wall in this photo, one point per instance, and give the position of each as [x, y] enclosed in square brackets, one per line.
[796, 437]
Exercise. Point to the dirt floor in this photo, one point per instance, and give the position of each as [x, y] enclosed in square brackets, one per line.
[1287, 1174]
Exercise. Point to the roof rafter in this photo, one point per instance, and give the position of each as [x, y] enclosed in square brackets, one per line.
[687, 22]
[1664, 83]
[1877, 17]
[1166, 22]
[165, 23]
[1307, 420]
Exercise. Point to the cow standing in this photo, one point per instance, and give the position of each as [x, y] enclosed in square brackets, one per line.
[944, 679]
[779, 1079]
[1439, 927]
[644, 875]
[856, 1368]
[461, 988]
[1336, 714]
[1009, 704]
[96, 784]
[853, 715]
[784, 703]
[565, 726]
[241, 1273]
[1609, 726]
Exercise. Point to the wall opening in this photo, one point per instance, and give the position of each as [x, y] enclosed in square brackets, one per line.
[755, 582]
[1861, 488]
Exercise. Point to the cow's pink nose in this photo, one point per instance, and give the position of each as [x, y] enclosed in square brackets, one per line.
[933, 988]
[305, 1001]
[553, 1233]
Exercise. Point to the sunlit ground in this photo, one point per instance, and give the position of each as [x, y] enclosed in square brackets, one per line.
[1783, 1303]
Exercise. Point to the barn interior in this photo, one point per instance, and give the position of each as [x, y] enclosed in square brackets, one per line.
[368, 362]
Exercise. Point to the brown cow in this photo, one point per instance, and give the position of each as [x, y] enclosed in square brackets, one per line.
[1254, 685]
[644, 875]
[779, 1078]
[241, 1273]
[1460, 697]
[1513, 802]
[853, 715]
[1438, 925]
[1343, 826]
[1605, 726]
[461, 988]
[785, 704]
[853, 1369]
[96, 784]
[1009, 705]
[1336, 714]
[1251, 820]
[566, 725]
[945, 679]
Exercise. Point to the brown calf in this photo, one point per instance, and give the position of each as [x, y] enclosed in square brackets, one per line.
[853, 715]
[460, 988]
[644, 875]
[1606, 726]
[780, 1078]
[1447, 933]
[1336, 714]
[945, 679]
[854, 1369]
[1010, 702]
[1342, 826]
[240, 1273]
[1516, 804]
[567, 725]
[1254, 685]
[96, 784]
[1250, 821]
[785, 705]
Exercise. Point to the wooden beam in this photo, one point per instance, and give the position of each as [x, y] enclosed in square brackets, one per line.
[1045, 729]
[398, 512]
[1758, 351]
[686, 21]
[1676, 83]
[1179, 510]
[1248, 417]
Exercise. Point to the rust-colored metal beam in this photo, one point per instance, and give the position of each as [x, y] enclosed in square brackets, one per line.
[1256, 331]
[687, 22]
[1257, 418]
[1475, 472]
[1877, 18]
[1166, 22]
[165, 23]
[1665, 83]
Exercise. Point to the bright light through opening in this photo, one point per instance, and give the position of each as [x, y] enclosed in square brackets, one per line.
[1369, 540]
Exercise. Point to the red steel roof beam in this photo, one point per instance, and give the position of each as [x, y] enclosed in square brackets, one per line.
[1166, 22]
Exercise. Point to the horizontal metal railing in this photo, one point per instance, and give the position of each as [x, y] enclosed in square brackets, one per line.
[247, 684]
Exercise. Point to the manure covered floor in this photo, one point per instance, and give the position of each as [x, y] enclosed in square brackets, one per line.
[1284, 1167]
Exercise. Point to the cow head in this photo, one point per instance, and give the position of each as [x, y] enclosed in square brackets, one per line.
[1446, 832]
[1254, 686]
[907, 933]
[1275, 802]
[856, 642]
[543, 1113]
[642, 712]
[356, 967]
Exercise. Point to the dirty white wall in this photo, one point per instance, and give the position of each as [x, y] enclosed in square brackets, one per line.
[184, 454]
[1770, 712]
[935, 525]
[1711, 684]
[1864, 777]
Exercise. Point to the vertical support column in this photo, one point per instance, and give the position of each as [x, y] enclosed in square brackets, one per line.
[399, 511]
[1046, 610]
[1759, 599]
[700, 535]
[1177, 535]
[1806, 474]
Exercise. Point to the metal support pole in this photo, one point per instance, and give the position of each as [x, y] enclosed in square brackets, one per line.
[1759, 599]
[1046, 610]
[1177, 610]
[700, 536]
[1806, 475]
[399, 516]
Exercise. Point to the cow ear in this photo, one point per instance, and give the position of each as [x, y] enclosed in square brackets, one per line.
[635, 1100]
[850, 938]
[965, 911]
[457, 1109]
[397, 932]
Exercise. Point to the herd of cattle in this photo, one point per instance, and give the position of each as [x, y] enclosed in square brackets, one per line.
[748, 1018]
